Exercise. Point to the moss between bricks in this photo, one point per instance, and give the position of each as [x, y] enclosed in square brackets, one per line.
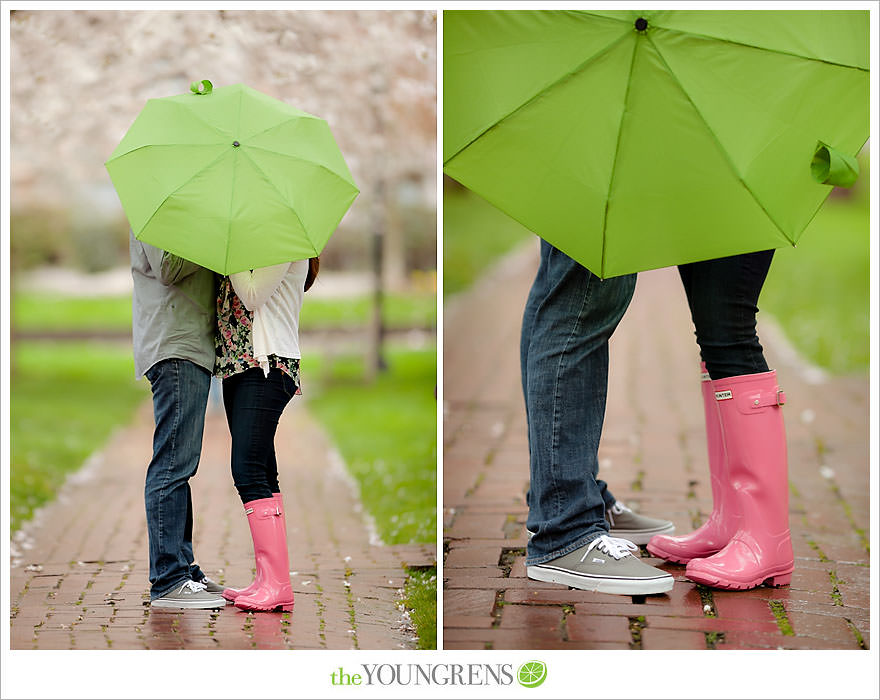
[708, 600]
[816, 548]
[508, 556]
[778, 610]
[496, 608]
[349, 598]
[836, 598]
[636, 625]
[713, 639]
[637, 484]
[567, 609]
[858, 635]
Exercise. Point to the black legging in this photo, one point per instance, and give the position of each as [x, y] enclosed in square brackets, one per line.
[723, 299]
[254, 403]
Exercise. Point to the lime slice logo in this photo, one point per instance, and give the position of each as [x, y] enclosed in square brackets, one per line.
[532, 673]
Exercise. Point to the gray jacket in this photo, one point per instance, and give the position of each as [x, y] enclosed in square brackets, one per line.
[173, 308]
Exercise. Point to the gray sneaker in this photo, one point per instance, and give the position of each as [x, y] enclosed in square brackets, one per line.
[638, 529]
[605, 566]
[212, 586]
[189, 594]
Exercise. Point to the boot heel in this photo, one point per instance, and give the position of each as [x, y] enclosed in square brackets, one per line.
[287, 608]
[780, 580]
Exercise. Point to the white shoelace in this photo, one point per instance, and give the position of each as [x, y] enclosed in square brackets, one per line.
[620, 507]
[193, 587]
[617, 509]
[613, 546]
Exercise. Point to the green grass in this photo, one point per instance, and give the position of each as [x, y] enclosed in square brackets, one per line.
[51, 312]
[65, 400]
[819, 291]
[387, 434]
[421, 601]
[398, 311]
[475, 234]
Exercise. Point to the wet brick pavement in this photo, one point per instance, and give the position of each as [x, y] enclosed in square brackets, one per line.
[653, 455]
[80, 580]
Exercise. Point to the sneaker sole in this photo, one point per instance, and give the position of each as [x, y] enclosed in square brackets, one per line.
[601, 584]
[188, 604]
[641, 536]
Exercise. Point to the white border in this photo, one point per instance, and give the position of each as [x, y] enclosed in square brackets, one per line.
[281, 674]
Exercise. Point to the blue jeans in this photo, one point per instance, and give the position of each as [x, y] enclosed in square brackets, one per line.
[723, 298]
[180, 394]
[254, 404]
[569, 317]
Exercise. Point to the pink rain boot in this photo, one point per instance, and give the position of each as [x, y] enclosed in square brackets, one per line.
[267, 523]
[754, 439]
[233, 593]
[716, 532]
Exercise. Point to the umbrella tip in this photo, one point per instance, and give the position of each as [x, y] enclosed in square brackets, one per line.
[641, 24]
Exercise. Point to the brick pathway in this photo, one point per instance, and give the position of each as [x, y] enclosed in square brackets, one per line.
[654, 457]
[82, 583]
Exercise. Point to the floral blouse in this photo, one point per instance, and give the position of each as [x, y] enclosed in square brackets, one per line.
[233, 345]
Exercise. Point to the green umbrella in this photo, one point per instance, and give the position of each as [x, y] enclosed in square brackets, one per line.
[231, 179]
[636, 140]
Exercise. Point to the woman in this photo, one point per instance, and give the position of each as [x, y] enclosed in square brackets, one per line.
[746, 541]
[258, 359]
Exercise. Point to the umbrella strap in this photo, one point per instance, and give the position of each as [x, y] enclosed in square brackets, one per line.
[201, 87]
[832, 167]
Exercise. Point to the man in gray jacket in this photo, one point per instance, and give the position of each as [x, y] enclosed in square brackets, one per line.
[173, 324]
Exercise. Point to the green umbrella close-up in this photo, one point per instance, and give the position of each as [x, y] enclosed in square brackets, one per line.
[231, 178]
[638, 140]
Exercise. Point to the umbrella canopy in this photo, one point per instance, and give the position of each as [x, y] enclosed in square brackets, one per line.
[231, 179]
[636, 140]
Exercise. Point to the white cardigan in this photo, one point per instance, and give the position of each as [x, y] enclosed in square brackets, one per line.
[275, 295]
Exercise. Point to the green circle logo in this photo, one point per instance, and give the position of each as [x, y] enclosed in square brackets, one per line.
[532, 673]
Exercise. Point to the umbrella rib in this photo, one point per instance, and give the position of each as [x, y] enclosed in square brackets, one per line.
[232, 193]
[719, 144]
[761, 48]
[632, 64]
[302, 160]
[275, 126]
[193, 113]
[177, 189]
[283, 199]
[732, 41]
[540, 93]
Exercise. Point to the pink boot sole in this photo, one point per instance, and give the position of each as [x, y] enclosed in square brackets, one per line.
[285, 607]
[782, 578]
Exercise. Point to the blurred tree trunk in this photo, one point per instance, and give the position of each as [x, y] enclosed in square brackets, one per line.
[394, 261]
[375, 361]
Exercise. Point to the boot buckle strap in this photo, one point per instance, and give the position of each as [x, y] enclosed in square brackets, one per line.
[761, 401]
